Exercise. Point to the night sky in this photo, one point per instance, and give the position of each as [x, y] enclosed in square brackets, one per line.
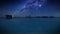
[14, 7]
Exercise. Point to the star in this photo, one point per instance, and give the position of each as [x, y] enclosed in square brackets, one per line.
[39, 5]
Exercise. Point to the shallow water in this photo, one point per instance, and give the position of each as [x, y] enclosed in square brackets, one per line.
[30, 25]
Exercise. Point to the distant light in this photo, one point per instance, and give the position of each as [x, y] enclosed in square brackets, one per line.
[39, 5]
[24, 6]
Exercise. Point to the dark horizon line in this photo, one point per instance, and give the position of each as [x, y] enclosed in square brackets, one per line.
[35, 17]
[32, 16]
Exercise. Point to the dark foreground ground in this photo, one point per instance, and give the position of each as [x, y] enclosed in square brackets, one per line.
[30, 26]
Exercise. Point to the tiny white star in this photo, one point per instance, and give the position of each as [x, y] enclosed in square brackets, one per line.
[39, 5]
[24, 6]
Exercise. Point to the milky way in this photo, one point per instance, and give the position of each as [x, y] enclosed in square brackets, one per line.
[30, 7]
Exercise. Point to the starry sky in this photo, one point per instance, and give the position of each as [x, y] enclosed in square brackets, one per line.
[13, 7]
